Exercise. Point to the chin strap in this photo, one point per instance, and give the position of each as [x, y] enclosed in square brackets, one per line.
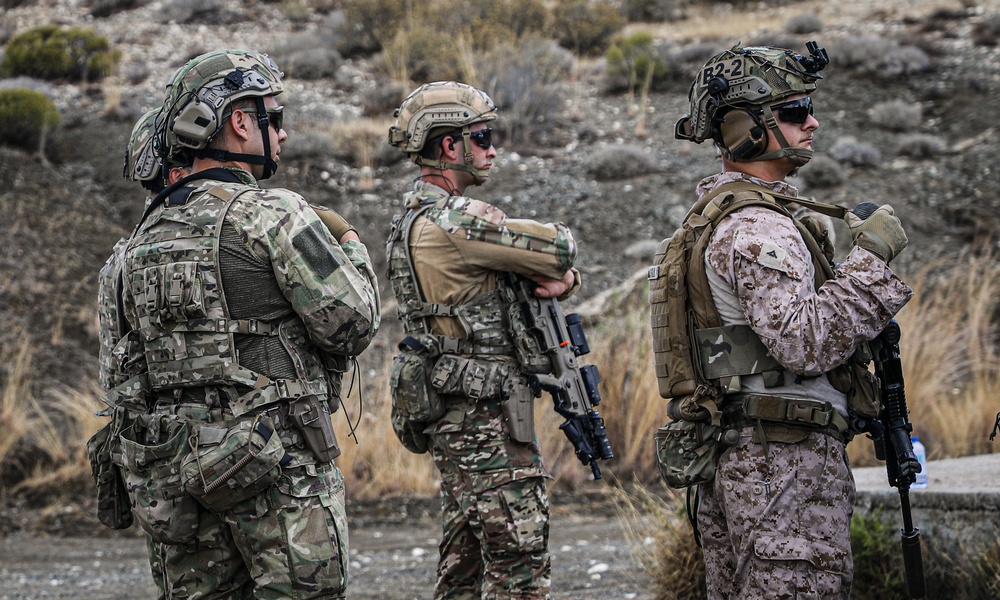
[797, 156]
[270, 166]
[480, 174]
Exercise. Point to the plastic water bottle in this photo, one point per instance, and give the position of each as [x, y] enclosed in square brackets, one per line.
[921, 453]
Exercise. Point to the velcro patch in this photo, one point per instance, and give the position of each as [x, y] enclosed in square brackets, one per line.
[314, 245]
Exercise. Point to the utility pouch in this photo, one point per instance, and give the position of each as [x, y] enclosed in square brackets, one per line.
[312, 418]
[413, 396]
[410, 433]
[160, 504]
[519, 410]
[687, 452]
[232, 461]
[113, 507]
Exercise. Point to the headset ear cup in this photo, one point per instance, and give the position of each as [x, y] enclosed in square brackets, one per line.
[742, 134]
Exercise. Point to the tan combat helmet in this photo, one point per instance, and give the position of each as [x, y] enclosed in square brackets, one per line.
[199, 97]
[733, 96]
[435, 109]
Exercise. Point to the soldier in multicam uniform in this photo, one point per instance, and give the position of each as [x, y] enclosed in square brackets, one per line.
[775, 519]
[248, 306]
[449, 256]
[142, 165]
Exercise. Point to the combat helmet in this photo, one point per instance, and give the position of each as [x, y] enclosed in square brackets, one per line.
[141, 161]
[435, 109]
[732, 98]
[199, 96]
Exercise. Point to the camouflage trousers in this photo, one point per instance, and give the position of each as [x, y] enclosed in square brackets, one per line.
[288, 541]
[495, 509]
[776, 525]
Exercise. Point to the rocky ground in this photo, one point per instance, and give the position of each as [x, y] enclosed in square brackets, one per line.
[63, 214]
[393, 556]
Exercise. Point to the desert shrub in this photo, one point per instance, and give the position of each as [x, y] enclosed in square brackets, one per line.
[309, 56]
[822, 172]
[383, 99]
[205, 12]
[103, 9]
[987, 567]
[920, 145]
[585, 26]
[987, 31]
[630, 61]
[662, 541]
[51, 52]
[370, 24]
[621, 162]
[875, 546]
[849, 151]
[881, 58]
[897, 115]
[25, 118]
[685, 62]
[419, 55]
[523, 81]
[803, 23]
[490, 22]
[650, 11]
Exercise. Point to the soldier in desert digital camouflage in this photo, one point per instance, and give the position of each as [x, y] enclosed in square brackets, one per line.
[775, 519]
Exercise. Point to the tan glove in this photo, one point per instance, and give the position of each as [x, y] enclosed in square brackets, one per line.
[337, 225]
[881, 233]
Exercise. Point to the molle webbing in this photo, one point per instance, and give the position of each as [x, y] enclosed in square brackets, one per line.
[480, 317]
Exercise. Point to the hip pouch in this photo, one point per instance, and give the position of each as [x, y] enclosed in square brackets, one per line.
[160, 504]
[687, 452]
[232, 461]
[113, 506]
[413, 396]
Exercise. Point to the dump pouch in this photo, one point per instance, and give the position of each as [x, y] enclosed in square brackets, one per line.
[113, 507]
[687, 452]
[312, 418]
[160, 504]
[232, 461]
[413, 396]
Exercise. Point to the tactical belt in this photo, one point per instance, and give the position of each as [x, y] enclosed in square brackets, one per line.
[769, 412]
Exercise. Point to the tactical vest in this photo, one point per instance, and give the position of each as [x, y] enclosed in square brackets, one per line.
[171, 274]
[482, 317]
[684, 318]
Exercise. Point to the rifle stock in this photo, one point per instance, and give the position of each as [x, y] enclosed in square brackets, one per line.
[890, 432]
[573, 387]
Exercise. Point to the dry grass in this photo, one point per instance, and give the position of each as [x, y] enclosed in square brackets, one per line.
[951, 367]
[656, 526]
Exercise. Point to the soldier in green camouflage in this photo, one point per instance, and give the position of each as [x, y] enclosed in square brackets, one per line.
[249, 306]
[457, 378]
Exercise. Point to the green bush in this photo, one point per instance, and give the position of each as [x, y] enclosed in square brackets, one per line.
[878, 568]
[630, 61]
[51, 52]
[25, 117]
[585, 26]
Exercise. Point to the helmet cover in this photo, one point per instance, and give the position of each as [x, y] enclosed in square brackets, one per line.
[200, 94]
[749, 78]
[436, 108]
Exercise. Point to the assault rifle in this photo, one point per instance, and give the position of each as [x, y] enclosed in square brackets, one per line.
[890, 432]
[573, 387]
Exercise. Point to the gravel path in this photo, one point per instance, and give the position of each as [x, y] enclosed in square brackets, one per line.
[391, 559]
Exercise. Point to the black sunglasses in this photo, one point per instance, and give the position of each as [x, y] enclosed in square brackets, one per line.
[796, 111]
[482, 138]
[275, 116]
